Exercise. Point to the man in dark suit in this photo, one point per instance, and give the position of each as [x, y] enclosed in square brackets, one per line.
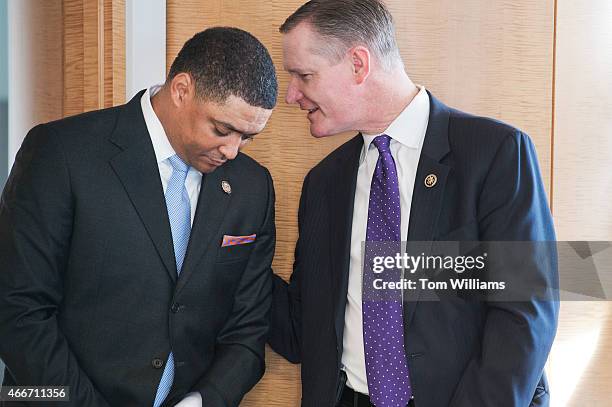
[418, 171]
[136, 242]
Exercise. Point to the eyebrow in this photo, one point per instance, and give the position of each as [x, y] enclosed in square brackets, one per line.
[298, 71]
[232, 128]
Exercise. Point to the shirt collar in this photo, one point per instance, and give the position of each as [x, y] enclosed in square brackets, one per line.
[409, 127]
[161, 145]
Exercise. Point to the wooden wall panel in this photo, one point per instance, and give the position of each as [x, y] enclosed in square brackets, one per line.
[36, 64]
[583, 121]
[581, 360]
[45, 48]
[114, 52]
[94, 54]
[74, 80]
[490, 58]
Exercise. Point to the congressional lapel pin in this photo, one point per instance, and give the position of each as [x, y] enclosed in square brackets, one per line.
[227, 188]
[431, 180]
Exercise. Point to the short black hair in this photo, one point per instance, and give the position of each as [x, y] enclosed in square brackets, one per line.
[227, 61]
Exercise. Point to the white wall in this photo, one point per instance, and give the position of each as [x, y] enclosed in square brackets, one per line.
[145, 53]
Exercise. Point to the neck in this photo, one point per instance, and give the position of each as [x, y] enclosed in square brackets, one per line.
[161, 104]
[167, 115]
[390, 94]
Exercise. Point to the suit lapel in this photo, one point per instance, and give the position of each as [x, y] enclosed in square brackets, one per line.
[341, 192]
[427, 201]
[213, 204]
[137, 170]
[424, 212]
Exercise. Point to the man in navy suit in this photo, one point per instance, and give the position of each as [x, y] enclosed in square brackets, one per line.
[136, 242]
[418, 171]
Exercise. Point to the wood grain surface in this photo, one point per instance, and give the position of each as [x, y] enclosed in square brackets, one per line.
[114, 52]
[491, 58]
[580, 364]
[94, 54]
[38, 39]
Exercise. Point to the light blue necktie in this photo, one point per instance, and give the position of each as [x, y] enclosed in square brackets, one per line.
[179, 214]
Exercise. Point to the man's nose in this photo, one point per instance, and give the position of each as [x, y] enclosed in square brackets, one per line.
[293, 92]
[230, 149]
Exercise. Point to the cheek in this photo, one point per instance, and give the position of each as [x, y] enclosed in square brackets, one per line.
[186, 133]
[199, 139]
[334, 95]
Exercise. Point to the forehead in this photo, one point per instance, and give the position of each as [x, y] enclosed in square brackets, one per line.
[302, 48]
[238, 114]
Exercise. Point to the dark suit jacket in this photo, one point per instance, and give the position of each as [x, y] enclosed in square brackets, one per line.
[89, 294]
[460, 352]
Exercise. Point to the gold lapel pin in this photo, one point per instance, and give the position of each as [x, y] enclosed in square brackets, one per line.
[227, 188]
[431, 180]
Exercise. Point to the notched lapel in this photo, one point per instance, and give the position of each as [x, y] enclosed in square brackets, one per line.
[341, 193]
[213, 204]
[427, 200]
[137, 170]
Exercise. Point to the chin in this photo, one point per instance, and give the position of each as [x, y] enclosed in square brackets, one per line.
[318, 132]
[207, 169]
[204, 168]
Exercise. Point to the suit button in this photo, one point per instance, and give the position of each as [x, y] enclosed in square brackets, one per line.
[176, 307]
[157, 363]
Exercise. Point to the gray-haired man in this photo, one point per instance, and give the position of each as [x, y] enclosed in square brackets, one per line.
[418, 171]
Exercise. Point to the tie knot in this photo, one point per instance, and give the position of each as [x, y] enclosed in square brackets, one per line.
[178, 164]
[382, 143]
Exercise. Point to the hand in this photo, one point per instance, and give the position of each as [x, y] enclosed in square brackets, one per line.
[193, 399]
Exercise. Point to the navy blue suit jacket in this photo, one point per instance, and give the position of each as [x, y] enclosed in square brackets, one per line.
[461, 352]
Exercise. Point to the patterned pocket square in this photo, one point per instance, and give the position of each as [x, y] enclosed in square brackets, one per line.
[236, 240]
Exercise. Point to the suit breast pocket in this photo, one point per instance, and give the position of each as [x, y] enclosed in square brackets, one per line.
[231, 254]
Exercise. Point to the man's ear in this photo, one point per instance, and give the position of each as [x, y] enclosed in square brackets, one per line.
[182, 88]
[360, 60]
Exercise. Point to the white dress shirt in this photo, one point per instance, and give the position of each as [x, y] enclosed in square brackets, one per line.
[407, 133]
[163, 151]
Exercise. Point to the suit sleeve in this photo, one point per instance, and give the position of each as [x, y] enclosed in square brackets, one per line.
[36, 214]
[239, 353]
[286, 316]
[519, 328]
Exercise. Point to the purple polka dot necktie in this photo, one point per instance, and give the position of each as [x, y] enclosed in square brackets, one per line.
[383, 328]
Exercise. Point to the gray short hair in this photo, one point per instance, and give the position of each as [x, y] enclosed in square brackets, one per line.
[346, 23]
